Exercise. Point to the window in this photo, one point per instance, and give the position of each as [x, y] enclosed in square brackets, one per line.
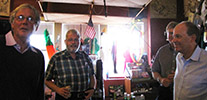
[121, 44]
[37, 39]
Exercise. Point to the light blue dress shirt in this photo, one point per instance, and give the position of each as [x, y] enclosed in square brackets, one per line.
[190, 81]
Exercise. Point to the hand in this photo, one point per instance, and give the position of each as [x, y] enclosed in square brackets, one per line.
[171, 77]
[63, 92]
[165, 82]
[90, 93]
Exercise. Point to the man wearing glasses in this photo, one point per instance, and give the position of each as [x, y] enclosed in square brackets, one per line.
[71, 68]
[21, 65]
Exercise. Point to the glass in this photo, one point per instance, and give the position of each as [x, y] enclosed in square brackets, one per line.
[69, 95]
[21, 18]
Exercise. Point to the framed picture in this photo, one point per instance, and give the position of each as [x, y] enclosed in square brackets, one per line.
[163, 8]
[4, 7]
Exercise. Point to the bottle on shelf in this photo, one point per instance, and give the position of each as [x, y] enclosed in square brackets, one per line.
[132, 94]
[125, 95]
[128, 97]
[142, 97]
[133, 98]
[115, 96]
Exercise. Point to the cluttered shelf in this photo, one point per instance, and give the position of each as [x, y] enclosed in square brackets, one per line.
[138, 83]
[121, 88]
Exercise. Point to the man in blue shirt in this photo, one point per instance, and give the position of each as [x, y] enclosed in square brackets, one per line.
[190, 82]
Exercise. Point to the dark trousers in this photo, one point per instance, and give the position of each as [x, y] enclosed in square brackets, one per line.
[74, 96]
[165, 93]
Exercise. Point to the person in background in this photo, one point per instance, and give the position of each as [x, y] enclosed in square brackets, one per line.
[190, 82]
[164, 66]
[21, 65]
[71, 67]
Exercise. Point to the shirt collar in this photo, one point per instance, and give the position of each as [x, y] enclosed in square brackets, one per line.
[194, 57]
[11, 42]
[196, 54]
[68, 54]
[10, 39]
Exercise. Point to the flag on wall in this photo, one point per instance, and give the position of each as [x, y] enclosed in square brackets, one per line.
[49, 44]
[90, 31]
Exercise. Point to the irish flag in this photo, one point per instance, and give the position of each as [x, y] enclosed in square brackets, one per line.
[49, 44]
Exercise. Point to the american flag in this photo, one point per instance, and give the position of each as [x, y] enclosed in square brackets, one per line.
[90, 31]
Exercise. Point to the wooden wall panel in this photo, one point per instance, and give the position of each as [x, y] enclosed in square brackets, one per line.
[97, 10]
[157, 34]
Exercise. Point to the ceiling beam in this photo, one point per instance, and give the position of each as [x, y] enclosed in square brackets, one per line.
[51, 7]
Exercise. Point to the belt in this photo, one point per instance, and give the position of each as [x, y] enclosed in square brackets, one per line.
[80, 95]
[74, 96]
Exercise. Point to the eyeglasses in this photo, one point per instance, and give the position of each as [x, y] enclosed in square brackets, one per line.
[170, 33]
[70, 40]
[29, 19]
[165, 33]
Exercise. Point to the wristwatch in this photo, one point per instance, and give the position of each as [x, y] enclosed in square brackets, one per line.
[90, 89]
[158, 79]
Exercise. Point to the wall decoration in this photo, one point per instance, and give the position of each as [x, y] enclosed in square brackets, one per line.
[190, 7]
[163, 9]
[4, 7]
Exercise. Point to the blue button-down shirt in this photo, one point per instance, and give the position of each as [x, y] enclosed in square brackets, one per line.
[190, 82]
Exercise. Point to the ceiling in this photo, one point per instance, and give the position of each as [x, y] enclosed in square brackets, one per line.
[119, 3]
[81, 18]
[97, 19]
